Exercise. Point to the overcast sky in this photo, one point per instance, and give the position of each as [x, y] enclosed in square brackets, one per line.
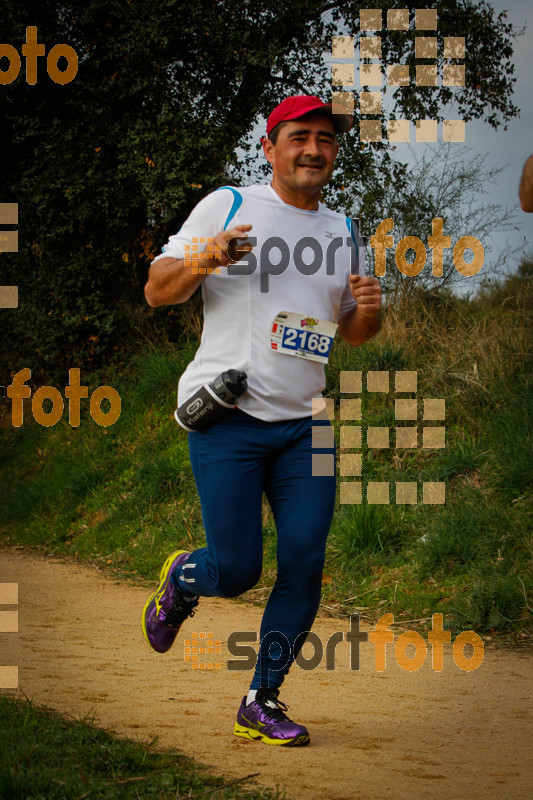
[508, 149]
[512, 147]
[500, 149]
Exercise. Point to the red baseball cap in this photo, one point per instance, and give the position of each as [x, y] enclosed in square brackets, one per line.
[296, 106]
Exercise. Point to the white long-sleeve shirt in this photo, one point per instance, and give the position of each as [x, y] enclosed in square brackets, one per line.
[239, 308]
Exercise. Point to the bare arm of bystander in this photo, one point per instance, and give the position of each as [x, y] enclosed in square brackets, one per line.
[525, 192]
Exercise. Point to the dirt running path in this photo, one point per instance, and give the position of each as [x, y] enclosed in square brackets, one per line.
[394, 734]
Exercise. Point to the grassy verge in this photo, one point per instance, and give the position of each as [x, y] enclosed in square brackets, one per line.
[123, 497]
[50, 756]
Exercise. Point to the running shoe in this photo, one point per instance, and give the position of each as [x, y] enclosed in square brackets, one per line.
[167, 608]
[265, 719]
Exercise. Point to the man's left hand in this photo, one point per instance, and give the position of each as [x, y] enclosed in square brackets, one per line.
[367, 291]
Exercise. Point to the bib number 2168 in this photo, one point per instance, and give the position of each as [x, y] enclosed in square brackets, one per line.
[305, 337]
[307, 340]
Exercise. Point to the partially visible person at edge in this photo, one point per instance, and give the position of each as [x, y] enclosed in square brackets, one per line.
[265, 444]
[525, 191]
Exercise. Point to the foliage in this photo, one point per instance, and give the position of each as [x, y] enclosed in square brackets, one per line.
[124, 497]
[447, 182]
[105, 167]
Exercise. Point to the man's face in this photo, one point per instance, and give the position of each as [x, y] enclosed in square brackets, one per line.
[304, 154]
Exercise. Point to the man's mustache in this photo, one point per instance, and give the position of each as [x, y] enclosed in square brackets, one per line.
[312, 163]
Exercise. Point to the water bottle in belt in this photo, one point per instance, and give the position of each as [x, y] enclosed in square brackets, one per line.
[212, 401]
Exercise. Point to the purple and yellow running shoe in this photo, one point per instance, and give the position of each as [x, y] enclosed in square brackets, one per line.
[264, 719]
[167, 608]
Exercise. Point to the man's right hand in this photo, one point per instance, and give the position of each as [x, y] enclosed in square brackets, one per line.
[230, 250]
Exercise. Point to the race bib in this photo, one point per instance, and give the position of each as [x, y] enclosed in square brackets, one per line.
[305, 337]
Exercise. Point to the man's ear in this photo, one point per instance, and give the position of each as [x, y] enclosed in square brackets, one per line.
[268, 149]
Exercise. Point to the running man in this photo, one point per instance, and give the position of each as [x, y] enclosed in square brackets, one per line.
[265, 444]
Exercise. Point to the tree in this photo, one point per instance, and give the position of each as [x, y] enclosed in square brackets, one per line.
[105, 167]
[449, 184]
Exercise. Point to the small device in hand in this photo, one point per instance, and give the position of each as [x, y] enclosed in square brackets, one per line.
[212, 401]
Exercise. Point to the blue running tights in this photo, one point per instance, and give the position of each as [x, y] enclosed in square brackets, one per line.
[234, 461]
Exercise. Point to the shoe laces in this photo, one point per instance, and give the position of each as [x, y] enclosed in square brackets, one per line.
[263, 698]
[180, 610]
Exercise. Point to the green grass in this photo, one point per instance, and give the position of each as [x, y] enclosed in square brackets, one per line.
[46, 756]
[365, 530]
[124, 497]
